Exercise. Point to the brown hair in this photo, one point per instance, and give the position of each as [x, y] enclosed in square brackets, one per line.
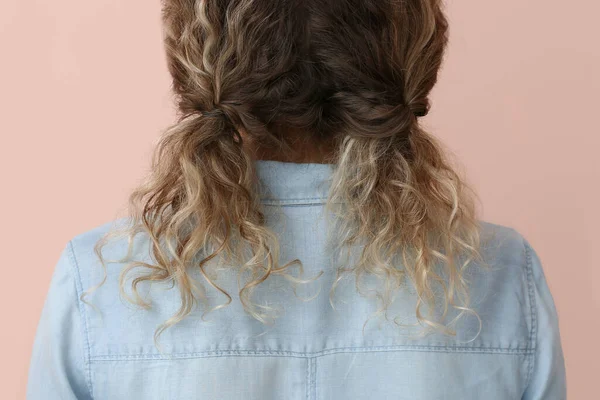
[353, 73]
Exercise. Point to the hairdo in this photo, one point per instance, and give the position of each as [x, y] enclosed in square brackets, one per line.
[356, 73]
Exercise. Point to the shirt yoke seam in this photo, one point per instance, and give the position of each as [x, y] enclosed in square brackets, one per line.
[308, 201]
[282, 353]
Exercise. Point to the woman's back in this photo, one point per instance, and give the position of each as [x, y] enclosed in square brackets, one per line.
[311, 351]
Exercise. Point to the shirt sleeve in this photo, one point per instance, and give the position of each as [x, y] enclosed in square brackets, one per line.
[57, 368]
[548, 378]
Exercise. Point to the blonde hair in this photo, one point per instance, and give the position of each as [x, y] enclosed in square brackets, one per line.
[354, 73]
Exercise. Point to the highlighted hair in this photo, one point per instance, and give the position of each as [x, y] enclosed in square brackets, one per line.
[352, 73]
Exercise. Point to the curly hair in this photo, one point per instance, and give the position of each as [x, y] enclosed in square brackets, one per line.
[355, 74]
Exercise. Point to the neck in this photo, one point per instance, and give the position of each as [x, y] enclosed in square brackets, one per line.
[304, 151]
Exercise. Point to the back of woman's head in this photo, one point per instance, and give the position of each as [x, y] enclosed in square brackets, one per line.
[325, 68]
[353, 75]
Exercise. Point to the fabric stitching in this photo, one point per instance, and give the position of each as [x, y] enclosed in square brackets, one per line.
[269, 353]
[293, 205]
[295, 201]
[84, 322]
[314, 377]
[308, 366]
[533, 313]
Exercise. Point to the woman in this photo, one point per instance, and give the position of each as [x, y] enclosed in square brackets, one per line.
[299, 164]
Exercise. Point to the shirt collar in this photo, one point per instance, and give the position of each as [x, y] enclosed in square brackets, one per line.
[293, 183]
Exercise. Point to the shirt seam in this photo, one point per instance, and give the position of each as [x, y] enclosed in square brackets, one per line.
[314, 378]
[83, 315]
[532, 313]
[308, 378]
[269, 353]
[294, 201]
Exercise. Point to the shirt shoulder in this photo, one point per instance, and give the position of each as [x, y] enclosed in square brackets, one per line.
[500, 298]
[500, 290]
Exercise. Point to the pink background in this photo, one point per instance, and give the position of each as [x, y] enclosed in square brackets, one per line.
[85, 94]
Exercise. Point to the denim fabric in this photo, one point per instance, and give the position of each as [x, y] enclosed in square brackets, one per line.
[312, 351]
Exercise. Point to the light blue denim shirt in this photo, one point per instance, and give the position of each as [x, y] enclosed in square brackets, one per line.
[312, 351]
